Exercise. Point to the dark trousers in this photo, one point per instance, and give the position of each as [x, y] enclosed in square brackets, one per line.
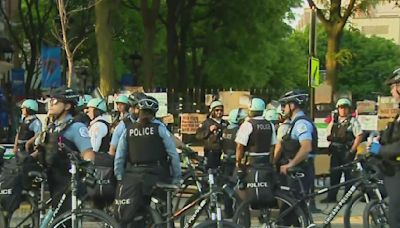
[392, 186]
[59, 180]
[213, 158]
[148, 176]
[229, 168]
[338, 158]
[306, 182]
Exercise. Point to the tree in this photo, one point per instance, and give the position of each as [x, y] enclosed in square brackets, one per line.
[365, 63]
[30, 26]
[334, 18]
[104, 25]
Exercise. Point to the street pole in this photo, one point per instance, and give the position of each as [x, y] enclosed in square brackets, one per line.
[312, 53]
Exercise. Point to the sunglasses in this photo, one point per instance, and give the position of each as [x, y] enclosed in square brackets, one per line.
[54, 101]
[218, 110]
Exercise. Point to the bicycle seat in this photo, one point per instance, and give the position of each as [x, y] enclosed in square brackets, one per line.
[166, 186]
[36, 174]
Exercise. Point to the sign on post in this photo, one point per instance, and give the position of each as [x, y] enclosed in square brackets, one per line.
[315, 76]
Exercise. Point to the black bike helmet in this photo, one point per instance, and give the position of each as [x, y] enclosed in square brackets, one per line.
[135, 97]
[148, 103]
[65, 94]
[395, 78]
[298, 97]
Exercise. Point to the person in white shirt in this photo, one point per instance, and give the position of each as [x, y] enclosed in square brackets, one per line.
[99, 126]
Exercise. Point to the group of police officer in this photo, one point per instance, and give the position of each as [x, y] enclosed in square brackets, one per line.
[144, 149]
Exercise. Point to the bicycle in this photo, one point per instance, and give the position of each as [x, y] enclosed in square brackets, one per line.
[42, 216]
[287, 210]
[78, 216]
[195, 175]
[208, 201]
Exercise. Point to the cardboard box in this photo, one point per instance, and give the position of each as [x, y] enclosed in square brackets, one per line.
[387, 107]
[234, 99]
[191, 121]
[383, 122]
[364, 107]
[323, 94]
[368, 122]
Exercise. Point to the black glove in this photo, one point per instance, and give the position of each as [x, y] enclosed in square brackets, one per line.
[350, 155]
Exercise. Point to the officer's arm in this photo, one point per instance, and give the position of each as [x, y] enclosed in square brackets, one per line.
[116, 137]
[301, 155]
[303, 131]
[390, 151]
[358, 133]
[203, 131]
[171, 151]
[356, 142]
[274, 141]
[277, 153]
[98, 131]
[239, 154]
[120, 156]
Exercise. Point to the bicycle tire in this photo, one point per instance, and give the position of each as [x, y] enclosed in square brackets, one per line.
[243, 214]
[33, 222]
[349, 209]
[213, 224]
[62, 220]
[379, 212]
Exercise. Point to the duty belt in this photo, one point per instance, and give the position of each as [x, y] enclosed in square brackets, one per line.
[22, 141]
[145, 164]
[254, 154]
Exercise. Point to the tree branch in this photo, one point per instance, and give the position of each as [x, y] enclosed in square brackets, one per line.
[347, 13]
[84, 8]
[78, 45]
[320, 14]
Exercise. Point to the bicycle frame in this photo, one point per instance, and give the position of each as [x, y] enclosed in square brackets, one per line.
[357, 182]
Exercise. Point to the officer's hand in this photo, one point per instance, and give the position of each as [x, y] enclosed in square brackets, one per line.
[285, 168]
[374, 148]
[213, 128]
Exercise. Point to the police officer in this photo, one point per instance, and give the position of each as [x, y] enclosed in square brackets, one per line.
[73, 134]
[132, 117]
[81, 115]
[235, 119]
[211, 132]
[122, 103]
[30, 127]
[300, 143]
[388, 149]
[345, 136]
[99, 126]
[256, 136]
[145, 147]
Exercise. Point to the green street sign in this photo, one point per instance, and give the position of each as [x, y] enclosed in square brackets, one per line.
[315, 76]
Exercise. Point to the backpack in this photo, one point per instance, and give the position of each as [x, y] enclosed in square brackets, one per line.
[10, 185]
[260, 183]
[105, 186]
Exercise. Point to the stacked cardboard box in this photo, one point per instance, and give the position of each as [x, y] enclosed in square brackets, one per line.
[366, 114]
[387, 110]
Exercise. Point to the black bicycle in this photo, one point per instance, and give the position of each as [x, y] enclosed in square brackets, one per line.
[286, 210]
[206, 203]
[40, 214]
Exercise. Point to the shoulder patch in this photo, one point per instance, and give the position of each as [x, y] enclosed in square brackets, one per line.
[301, 128]
[83, 131]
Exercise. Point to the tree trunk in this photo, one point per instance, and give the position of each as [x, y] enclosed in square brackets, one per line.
[172, 42]
[331, 62]
[183, 35]
[149, 16]
[103, 10]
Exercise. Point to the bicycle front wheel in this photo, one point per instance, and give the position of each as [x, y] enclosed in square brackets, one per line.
[355, 204]
[281, 212]
[376, 215]
[214, 224]
[85, 218]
